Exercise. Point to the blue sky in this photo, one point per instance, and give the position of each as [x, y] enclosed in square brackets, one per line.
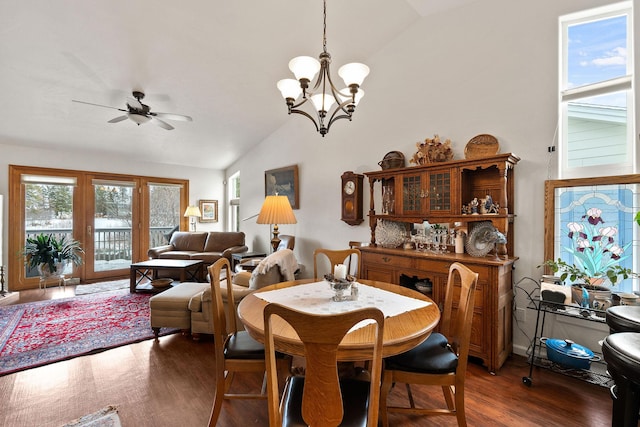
[597, 51]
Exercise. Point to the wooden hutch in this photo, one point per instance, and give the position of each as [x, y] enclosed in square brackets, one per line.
[436, 192]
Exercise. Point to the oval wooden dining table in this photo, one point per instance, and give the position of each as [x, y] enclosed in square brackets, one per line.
[402, 332]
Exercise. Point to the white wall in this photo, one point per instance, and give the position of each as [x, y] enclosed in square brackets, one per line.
[203, 183]
[490, 67]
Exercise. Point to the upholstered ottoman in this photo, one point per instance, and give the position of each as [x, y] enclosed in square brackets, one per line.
[170, 308]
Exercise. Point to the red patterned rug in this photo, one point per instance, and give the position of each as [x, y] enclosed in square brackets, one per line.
[44, 332]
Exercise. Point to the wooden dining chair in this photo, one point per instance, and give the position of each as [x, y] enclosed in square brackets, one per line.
[334, 257]
[320, 397]
[235, 351]
[441, 360]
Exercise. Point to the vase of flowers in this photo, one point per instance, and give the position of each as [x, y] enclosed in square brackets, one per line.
[596, 255]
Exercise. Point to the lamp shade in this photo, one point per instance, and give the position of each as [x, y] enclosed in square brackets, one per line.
[192, 211]
[304, 67]
[276, 210]
[323, 101]
[353, 73]
[289, 88]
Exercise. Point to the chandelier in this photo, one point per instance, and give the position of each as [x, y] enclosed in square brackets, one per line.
[329, 103]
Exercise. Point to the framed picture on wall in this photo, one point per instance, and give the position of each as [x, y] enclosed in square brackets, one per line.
[208, 211]
[283, 181]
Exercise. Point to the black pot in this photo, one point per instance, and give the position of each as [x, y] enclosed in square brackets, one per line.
[568, 354]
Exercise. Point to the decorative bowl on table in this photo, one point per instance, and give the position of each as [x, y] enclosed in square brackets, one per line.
[341, 287]
[161, 283]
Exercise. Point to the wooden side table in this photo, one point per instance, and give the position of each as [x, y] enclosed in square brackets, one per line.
[238, 257]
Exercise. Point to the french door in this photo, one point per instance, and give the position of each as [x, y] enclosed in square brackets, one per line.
[116, 218]
[112, 216]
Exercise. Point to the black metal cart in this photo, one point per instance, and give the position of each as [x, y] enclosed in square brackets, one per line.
[597, 374]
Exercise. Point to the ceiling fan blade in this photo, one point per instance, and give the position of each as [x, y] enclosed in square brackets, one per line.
[97, 105]
[162, 123]
[171, 116]
[118, 119]
[135, 104]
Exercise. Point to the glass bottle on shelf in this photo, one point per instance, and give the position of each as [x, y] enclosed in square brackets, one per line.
[388, 200]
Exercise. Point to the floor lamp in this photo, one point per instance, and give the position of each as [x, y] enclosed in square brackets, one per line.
[193, 212]
[276, 210]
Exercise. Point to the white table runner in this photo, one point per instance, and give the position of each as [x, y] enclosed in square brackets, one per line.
[315, 298]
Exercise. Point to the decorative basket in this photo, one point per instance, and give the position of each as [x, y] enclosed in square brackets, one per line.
[483, 145]
[392, 160]
[161, 283]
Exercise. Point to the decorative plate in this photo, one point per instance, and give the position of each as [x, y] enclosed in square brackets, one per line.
[389, 234]
[482, 239]
[483, 145]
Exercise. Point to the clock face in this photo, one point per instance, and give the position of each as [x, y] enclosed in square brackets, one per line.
[349, 187]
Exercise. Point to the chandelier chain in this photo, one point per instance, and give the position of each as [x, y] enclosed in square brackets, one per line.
[324, 28]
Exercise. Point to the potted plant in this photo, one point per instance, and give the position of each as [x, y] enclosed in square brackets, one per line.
[596, 255]
[48, 254]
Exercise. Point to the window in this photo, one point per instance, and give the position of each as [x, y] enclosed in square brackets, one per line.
[615, 201]
[116, 217]
[596, 96]
[234, 202]
[596, 141]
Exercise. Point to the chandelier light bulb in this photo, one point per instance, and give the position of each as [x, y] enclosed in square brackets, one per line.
[353, 73]
[289, 88]
[304, 67]
[323, 102]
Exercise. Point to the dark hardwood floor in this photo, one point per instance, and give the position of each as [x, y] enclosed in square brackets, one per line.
[168, 382]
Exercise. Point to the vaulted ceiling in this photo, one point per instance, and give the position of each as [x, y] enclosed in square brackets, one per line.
[217, 61]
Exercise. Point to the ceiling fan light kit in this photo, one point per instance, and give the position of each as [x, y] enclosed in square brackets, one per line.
[140, 113]
[323, 94]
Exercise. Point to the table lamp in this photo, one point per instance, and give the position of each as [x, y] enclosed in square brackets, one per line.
[192, 212]
[276, 210]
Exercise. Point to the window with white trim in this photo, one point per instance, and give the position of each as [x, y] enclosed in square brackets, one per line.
[596, 96]
[234, 202]
[596, 143]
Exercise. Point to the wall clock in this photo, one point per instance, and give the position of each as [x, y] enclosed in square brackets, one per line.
[351, 209]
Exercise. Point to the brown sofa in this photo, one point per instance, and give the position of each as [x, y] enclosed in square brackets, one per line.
[206, 246]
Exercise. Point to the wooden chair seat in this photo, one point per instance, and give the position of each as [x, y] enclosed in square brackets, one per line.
[321, 398]
[433, 356]
[241, 346]
[355, 399]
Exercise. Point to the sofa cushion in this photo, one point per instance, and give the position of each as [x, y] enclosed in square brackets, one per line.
[175, 255]
[218, 241]
[207, 257]
[188, 241]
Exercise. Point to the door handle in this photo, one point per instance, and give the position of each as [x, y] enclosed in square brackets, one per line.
[89, 230]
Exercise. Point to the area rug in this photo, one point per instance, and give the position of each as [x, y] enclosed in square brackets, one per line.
[105, 417]
[44, 332]
[102, 287]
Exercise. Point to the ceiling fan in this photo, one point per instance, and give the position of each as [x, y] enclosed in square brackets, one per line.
[141, 113]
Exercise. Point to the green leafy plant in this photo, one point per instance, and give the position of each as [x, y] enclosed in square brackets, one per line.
[595, 252]
[573, 273]
[46, 249]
